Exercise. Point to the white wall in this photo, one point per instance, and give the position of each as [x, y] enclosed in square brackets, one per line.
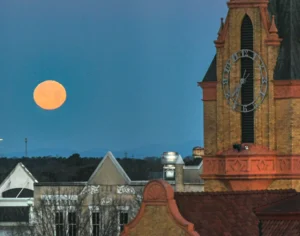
[18, 179]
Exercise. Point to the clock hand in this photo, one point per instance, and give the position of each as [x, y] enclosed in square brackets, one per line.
[247, 76]
[244, 73]
[244, 79]
[236, 94]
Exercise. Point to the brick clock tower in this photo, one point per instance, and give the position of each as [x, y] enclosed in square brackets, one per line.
[251, 96]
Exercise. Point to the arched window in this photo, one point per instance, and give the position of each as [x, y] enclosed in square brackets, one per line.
[247, 119]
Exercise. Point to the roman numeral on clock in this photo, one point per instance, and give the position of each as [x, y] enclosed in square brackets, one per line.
[245, 52]
[227, 67]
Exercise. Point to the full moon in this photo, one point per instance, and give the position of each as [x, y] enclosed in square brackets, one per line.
[49, 95]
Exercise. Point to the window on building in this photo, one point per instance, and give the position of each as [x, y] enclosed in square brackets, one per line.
[96, 223]
[59, 224]
[123, 219]
[72, 223]
[65, 223]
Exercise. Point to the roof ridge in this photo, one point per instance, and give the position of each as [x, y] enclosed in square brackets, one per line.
[262, 207]
[28, 172]
[238, 192]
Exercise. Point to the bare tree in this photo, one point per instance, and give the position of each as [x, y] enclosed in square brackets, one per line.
[69, 213]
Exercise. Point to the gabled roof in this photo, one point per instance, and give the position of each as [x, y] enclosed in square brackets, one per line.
[13, 170]
[231, 213]
[119, 168]
[28, 172]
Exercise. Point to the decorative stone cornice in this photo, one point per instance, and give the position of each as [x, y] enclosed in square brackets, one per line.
[251, 167]
[106, 201]
[284, 89]
[90, 189]
[123, 189]
[251, 150]
[247, 3]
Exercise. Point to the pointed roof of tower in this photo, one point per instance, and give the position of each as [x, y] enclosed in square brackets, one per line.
[273, 29]
[221, 27]
[211, 74]
[287, 19]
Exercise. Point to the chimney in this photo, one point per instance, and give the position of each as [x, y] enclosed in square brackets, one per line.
[179, 183]
[173, 167]
[198, 152]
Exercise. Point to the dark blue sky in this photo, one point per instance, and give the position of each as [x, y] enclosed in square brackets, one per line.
[130, 68]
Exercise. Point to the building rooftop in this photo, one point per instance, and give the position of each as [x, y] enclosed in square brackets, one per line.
[217, 213]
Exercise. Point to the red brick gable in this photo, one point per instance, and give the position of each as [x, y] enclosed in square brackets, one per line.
[226, 213]
[158, 208]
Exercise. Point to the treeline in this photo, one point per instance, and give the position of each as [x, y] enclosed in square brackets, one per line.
[76, 168]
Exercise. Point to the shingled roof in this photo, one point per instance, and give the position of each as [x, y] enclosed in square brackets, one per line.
[226, 213]
[281, 217]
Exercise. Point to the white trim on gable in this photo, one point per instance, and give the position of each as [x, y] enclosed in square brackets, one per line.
[116, 164]
[16, 202]
[6, 182]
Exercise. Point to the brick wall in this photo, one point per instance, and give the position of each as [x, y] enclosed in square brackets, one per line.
[222, 125]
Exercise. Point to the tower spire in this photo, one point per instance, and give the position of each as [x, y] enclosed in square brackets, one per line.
[273, 38]
[273, 29]
[221, 27]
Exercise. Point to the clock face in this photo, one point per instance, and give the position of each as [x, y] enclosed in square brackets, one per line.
[232, 87]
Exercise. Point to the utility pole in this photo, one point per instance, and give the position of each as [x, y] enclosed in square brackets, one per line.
[25, 147]
[125, 154]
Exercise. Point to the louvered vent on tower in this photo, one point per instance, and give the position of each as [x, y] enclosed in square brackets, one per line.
[247, 119]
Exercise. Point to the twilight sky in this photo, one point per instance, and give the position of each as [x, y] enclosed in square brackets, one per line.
[130, 68]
